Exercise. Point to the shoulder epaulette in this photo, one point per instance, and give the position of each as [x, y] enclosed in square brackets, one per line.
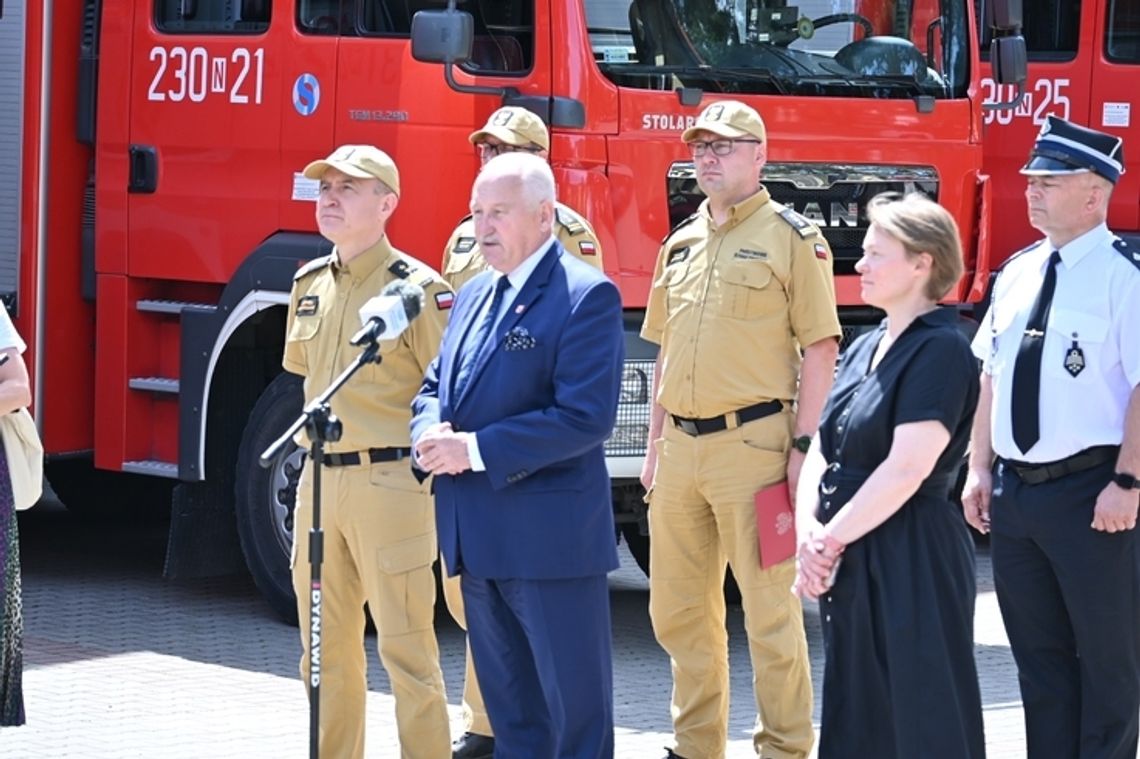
[312, 266]
[802, 226]
[400, 268]
[1026, 249]
[569, 219]
[678, 225]
[1130, 254]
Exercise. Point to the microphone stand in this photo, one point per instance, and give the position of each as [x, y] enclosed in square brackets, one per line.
[322, 426]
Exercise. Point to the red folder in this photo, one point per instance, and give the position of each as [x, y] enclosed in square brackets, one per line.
[775, 525]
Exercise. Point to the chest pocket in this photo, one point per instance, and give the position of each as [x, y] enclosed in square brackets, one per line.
[1089, 332]
[748, 290]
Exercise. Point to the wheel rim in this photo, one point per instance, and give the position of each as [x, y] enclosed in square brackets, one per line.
[284, 476]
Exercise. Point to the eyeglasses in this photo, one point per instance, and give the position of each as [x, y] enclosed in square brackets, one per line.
[718, 147]
[490, 150]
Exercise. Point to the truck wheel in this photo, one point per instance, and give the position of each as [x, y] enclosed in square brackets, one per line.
[637, 543]
[265, 496]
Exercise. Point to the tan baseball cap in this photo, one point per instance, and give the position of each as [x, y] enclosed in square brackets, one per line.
[728, 118]
[360, 161]
[514, 126]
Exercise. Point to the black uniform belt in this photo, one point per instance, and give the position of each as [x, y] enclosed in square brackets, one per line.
[374, 455]
[1035, 474]
[696, 427]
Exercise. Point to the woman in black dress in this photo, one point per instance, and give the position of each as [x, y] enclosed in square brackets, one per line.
[882, 546]
[14, 394]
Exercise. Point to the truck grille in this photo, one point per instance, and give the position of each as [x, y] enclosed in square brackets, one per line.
[631, 431]
[833, 196]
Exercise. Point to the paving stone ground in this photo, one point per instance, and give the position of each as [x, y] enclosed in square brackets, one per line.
[120, 663]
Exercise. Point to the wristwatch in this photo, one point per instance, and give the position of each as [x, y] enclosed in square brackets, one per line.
[1126, 480]
[802, 443]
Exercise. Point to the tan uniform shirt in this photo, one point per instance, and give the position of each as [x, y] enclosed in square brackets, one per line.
[375, 405]
[731, 307]
[462, 259]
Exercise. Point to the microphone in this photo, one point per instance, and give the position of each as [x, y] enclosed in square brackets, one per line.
[388, 314]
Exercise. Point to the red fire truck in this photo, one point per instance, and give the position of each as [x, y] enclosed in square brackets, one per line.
[1082, 55]
[148, 248]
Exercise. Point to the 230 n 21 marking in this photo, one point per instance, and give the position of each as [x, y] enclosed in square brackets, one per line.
[197, 74]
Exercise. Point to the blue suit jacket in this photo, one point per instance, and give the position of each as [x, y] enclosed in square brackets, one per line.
[542, 400]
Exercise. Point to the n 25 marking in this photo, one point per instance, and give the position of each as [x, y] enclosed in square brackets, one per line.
[1047, 96]
[196, 74]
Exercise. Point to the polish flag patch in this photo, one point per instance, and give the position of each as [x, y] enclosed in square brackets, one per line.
[587, 249]
[821, 251]
[444, 300]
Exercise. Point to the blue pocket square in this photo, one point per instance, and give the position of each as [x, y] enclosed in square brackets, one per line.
[519, 339]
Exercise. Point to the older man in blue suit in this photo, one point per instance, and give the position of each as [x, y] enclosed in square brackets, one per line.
[511, 420]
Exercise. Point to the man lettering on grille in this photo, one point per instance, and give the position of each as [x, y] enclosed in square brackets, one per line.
[1055, 451]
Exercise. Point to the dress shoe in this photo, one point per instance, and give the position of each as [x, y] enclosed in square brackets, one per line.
[473, 746]
[670, 755]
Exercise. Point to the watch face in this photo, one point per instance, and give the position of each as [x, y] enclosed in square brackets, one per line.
[802, 443]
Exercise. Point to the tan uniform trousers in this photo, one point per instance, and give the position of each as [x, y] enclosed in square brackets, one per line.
[475, 717]
[702, 512]
[379, 545]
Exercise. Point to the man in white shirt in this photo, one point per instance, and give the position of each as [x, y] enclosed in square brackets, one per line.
[1055, 452]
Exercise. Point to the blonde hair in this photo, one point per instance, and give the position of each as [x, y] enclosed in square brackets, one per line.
[922, 226]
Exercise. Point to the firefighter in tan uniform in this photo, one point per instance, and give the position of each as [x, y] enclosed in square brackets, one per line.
[509, 129]
[378, 521]
[743, 307]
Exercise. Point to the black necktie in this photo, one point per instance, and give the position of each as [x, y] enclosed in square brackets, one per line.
[1026, 403]
[474, 344]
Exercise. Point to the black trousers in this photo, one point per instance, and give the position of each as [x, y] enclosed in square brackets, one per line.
[1070, 599]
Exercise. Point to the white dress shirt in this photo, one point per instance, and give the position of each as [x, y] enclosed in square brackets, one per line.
[1096, 306]
[517, 278]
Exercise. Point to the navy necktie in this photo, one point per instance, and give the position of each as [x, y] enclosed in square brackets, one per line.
[1026, 402]
[473, 346]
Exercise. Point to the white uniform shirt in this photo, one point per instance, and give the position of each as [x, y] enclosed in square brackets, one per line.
[9, 337]
[1097, 306]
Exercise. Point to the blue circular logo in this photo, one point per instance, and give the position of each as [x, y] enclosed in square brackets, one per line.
[306, 94]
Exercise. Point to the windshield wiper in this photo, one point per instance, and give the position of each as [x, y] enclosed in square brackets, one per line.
[711, 73]
[893, 82]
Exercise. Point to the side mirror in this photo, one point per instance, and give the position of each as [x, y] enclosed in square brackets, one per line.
[1009, 59]
[442, 36]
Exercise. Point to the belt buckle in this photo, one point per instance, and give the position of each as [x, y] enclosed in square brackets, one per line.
[687, 426]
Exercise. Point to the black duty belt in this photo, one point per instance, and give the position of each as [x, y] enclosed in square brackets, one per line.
[374, 455]
[696, 427]
[1035, 474]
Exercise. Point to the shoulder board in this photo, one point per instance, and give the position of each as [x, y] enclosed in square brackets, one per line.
[1132, 255]
[317, 263]
[679, 224]
[803, 227]
[569, 219]
[1026, 249]
[400, 268]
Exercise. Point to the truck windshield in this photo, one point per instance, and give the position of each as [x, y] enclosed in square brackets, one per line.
[837, 48]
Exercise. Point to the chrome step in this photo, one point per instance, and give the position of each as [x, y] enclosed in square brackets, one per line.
[152, 468]
[173, 306]
[154, 384]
